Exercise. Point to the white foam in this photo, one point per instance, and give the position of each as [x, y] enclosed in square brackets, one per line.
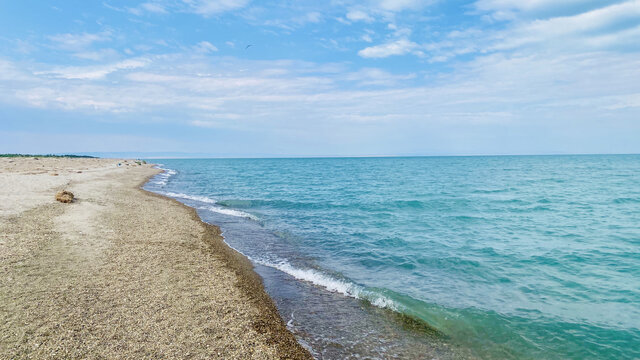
[203, 199]
[162, 178]
[332, 284]
[383, 302]
[232, 212]
[208, 200]
[318, 278]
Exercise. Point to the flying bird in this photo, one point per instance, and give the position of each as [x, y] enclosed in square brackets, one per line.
[248, 46]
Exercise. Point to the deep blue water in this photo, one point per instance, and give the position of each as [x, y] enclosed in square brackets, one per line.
[507, 257]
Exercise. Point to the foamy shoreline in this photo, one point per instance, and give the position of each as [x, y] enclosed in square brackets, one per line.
[122, 272]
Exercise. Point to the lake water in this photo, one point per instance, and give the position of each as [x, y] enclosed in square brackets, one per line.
[448, 257]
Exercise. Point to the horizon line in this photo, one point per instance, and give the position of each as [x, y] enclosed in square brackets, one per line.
[195, 156]
[140, 155]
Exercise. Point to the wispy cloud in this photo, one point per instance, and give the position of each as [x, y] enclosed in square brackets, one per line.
[205, 8]
[378, 77]
[359, 15]
[75, 42]
[581, 27]
[148, 7]
[507, 9]
[213, 7]
[205, 47]
[97, 55]
[392, 48]
[400, 5]
[310, 17]
[604, 28]
[93, 72]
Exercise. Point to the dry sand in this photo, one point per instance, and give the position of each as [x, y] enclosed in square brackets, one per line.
[121, 273]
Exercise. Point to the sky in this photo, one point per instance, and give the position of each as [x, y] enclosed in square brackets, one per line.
[249, 78]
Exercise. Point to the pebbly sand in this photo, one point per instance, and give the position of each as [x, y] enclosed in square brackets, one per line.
[122, 273]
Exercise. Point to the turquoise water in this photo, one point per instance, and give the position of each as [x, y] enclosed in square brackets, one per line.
[507, 257]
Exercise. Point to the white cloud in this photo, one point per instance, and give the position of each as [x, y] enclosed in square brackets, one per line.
[207, 124]
[312, 17]
[396, 47]
[609, 28]
[378, 77]
[154, 8]
[534, 5]
[98, 55]
[625, 101]
[11, 72]
[581, 28]
[588, 21]
[46, 97]
[94, 72]
[628, 38]
[359, 15]
[205, 47]
[205, 8]
[399, 5]
[214, 7]
[148, 7]
[216, 120]
[288, 22]
[76, 42]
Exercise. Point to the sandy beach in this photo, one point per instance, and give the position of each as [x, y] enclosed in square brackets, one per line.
[120, 272]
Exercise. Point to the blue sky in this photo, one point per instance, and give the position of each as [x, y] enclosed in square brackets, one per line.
[376, 77]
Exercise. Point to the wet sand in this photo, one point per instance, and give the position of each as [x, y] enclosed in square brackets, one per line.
[122, 273]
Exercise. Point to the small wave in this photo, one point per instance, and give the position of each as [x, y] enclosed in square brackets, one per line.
[332, 284]
[540, 208]
[208, 200]
[162, 178]
[626, 200]
[275, 203]
[232, 212]
[239, 203]
[408, 204]
[491, 191]
[203, 199]
[316, 277]
[467, 218]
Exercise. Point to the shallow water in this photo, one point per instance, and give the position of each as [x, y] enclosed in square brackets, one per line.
[505, 257]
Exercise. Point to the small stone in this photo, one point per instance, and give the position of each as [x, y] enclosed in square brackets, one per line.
[64, 196]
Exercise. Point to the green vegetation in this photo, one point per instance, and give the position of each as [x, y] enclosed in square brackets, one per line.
[45, 156]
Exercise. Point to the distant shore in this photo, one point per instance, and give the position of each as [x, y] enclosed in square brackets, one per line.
[121, 272]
